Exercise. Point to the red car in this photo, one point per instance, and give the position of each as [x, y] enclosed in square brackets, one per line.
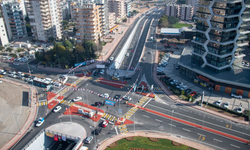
[105, 123]
[193, 93]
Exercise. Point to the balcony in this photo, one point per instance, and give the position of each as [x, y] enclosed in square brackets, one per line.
[243, 32]
[44, 3]
[242, 44]
[44, 10]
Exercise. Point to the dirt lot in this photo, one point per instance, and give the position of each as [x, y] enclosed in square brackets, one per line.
[12, 114]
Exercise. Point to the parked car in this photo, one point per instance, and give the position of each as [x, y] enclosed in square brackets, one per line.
[236, 96]
[20, 73]
[106, 95]
[1, 81]
[40, 122]
[247, 64]
[97, 131]
[161, 73]
[111, 58]
[99, 103]
[88, 140]
[193, 93]
[95, 73]
[188, 90]
[127, 98]
[102, 71]
[57, 108]
[105, 123]
[143, 58]
[177, 67]
[243, 63]
[219, 102]
[16, 64]
[239, 110]
[226, 104]
[77, 99]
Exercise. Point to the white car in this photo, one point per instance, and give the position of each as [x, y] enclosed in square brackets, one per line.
[219, 102]
[102, 71]
[226, 104]
[88, 139]
[40, 122]
[247, 64]
[16, 64]
[236, 96]
[57, 108]
[1, 81]
[77, 99]
[243, 63]
[127, 98]
[106, 95]
[20, 73]
[239, 110]
[111, 58]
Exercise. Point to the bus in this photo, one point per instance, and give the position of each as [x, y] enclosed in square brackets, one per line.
[41, 82]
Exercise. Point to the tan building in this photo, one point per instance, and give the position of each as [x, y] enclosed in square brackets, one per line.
[45, 18]
[88, 22]
[117, 7]
[111, 20]
[186, 12]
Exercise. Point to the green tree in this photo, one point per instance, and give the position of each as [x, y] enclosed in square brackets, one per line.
[51, 39]
[9, 49]
[163, 22]
[28, 28]
[172, 19]
[27, 19]
[2, 48]
[20, 50]
[67, 44]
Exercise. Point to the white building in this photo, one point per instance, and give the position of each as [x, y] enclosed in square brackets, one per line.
[186, 12]
[127, 7]
[45, 18]
[3, 34]
[193, 3]
[172, 10]
[118, 7]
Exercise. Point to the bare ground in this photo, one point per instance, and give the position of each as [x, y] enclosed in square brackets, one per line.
[12, 114]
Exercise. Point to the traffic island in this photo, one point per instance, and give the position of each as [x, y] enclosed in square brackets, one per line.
[116, 84]
[52, 104]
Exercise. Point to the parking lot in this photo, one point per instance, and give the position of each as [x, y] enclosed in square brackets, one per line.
[209, 95]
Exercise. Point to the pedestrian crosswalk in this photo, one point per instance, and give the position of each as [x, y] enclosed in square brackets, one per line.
[155, 88]
[42, 103]
[160, 95]
[69, 103]
[131, 111]
[122, 129]
[107, 116]
[73, 84]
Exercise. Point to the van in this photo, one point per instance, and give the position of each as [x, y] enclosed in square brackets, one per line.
[127, 54]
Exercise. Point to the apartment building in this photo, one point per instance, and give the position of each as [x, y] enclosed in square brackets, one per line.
[193, 3]
[103, 15]
[117, 7]
[127, 8]
[186, 12]
[111, 20]
[45, 19]
[3, 33]
[88, 24]
[172, 9]
[14, 19]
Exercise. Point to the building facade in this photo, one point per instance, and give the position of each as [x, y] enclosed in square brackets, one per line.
[45, 19]
[3, 34]
[172, 9]
[104, 15]
[117, 7]
[127, 8]
[186, 12]
[193, 3]
[111, 20]
[220, 33]
[88, 22]
[14, 19]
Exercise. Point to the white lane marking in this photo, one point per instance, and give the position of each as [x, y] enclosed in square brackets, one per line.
[147, 102]
[116, 131]
[146, 116]
[186, 129]
[201, 134]
[160, 108]
[234, 146]
[172, 125]
[217, 140]
[158, 120]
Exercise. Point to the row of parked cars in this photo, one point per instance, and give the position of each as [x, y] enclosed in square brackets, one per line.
[226, 105]
[162, 64]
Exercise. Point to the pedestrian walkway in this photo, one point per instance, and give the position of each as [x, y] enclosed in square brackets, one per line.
[152, 134]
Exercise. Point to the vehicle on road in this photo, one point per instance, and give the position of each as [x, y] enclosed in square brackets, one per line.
[12, 72]
[102, 71]
[99, 103]
[150, 52]
[193, 93]
[105, 123]
[236, 96]
[77, 99]
[127, 78]
[127, 54]
[127, 98]
[143, 58]
[226, 104]
[1, 81]
[88, 140]
[219, 102]
[16, 64]
[40, 122]
[95, 73]
[20, 73]
[57, 108]
[111, 58]
[239, 110]
[97, 131]
[106, 95]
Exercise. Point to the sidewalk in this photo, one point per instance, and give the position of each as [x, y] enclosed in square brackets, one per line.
[183, 141]
[30, 119]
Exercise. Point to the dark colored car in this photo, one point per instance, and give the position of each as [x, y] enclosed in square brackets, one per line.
[127, 78]
[32, 77]
[26, 75]
[97, 131]
[99, 103]
[177, 67]
[165, 79]
[95, 73]
[188, 90]
[161, 73]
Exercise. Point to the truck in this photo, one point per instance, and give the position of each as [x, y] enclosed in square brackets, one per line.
[91, 114]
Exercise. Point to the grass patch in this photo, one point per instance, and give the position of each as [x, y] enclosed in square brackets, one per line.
[144, 142]
[179, 25]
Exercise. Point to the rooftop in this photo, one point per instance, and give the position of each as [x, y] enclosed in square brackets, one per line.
[170, 31]
[239, 76]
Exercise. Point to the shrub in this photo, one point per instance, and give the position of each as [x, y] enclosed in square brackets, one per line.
[130, 138]
[176, 144]
[113, 145]
[153, 139]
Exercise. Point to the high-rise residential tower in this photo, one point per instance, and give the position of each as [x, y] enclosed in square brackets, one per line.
[3, 34]
[14, 19]
[118, 7]
[193, 3]
[220, 33]
[45, 19]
